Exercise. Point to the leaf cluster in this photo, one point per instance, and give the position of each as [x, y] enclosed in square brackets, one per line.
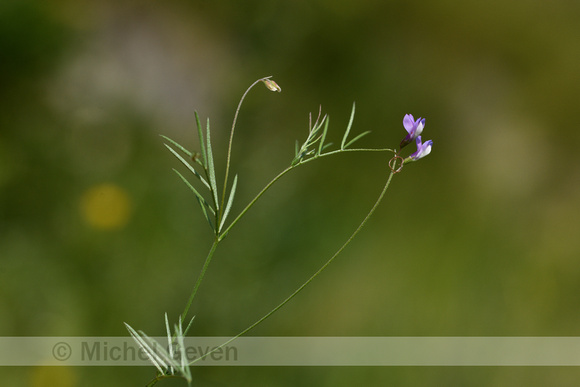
[170, 361]
[215, 216]
[314, 145]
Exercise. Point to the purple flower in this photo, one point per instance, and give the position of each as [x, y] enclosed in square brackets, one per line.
[422, 149]
[413, 128]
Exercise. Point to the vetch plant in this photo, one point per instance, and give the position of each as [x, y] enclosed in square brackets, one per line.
[216, 203]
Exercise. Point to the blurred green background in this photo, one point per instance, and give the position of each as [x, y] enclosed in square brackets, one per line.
[478, 239]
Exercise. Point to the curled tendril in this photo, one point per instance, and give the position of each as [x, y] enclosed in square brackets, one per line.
[396, 164]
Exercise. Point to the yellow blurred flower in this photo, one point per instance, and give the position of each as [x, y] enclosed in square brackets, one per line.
[53, 376]
[106, 206]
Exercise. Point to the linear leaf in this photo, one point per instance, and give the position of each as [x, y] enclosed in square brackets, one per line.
[356, 138]
[188, 166]
[169, 337]
[342, 146]
[201, 141]
[177, 145]
[202, 202]
[229, 203]
[160, 353]
[188, 325]
[185, 371]
[211, 169]
[197, 194]
[323, 137]
[155, 359]
[326, 145]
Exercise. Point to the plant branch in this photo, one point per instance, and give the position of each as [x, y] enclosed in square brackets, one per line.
[320, 270]
[199, 279]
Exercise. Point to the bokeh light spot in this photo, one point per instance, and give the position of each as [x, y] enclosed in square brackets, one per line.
[106, 206]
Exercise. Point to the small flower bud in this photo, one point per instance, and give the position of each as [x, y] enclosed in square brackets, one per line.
[271, 85]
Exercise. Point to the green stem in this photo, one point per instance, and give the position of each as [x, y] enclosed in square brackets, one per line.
[199, 279]
[254, 200]
[320, 270]
[349, 150]
[247, 208]
[279, 176]
[160, 377]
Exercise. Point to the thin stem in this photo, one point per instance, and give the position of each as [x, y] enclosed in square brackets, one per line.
[199, 279]
[346, 150]
[160, 377]
[224, 233]
[320, 270]
[230, 144]
[254, 200]
[247, 208]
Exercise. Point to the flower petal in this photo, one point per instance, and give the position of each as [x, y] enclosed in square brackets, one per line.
[420, 125]
[422, 149]
[427, 148]
[409, 122]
